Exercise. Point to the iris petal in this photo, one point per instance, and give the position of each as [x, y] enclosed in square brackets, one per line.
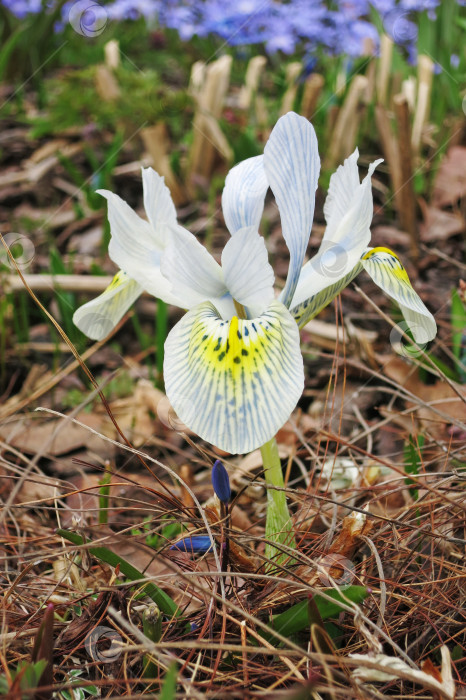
[137, 248]
[348, 211]
[292, 165]
[243, 195]
[235, 382]
[193, 273]
[248, 274]
[98, 317]
[158, 203]
[388, 273]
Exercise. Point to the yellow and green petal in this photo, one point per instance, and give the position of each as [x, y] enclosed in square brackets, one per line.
[234, 383]
[309, 308]
[388, 273]
[98, 317]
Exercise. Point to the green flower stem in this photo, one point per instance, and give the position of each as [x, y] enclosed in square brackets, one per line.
[278, 525]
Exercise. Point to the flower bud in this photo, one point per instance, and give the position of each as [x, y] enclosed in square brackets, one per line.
[221, 482]
[198, 543]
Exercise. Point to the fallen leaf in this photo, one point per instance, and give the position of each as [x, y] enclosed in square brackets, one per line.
[450, 183]
[438, 225]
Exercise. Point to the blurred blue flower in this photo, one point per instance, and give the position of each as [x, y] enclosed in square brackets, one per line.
[221, 482]
[340, 27]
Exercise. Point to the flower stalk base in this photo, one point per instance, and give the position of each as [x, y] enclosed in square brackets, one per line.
[278, 524]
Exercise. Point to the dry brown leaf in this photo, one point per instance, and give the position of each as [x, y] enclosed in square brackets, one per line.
[440, 395]
[438, 225]
[52, 436]
[450, 183]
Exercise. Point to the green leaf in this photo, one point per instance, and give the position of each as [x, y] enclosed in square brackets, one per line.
[458, 326]
[296, 618]
[168, 691]
[413, 459]
[165, 603]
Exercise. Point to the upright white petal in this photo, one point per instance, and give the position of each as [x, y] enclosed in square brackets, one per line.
[348, 210]
[349, 207]
[193, 273]
[158, 204]
[98, 317]
[243, 195]
[344, 183]
[292, 165]
[234, 382]
[136, 249]
[388, 273]
[247, 272]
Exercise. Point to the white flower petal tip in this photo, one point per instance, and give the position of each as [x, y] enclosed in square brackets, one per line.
[100, 316]
[234, 383]
[292, 166]
[247, 272]
[158, 202]
[388, 273]
[243, 195]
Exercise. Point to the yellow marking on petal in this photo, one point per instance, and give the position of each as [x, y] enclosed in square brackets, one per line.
[392, 261]
[380, 249]
[120, 278]
[239, 348]
[234, 382]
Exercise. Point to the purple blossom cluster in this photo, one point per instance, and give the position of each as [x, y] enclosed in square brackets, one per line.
[341, 26]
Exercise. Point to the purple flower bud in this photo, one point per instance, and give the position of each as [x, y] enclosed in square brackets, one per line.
[221, 482]
[198, 543]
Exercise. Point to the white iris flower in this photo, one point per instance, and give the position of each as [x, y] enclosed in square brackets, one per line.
[233, 367]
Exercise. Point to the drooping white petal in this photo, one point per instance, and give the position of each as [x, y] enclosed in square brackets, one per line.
[136, 249]
[193, 273]
[292, 165]
[243, 195]
[158, 203]
[234, 382]
[348, 210]
[98, 317]
[247, 272]
[388, 273]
